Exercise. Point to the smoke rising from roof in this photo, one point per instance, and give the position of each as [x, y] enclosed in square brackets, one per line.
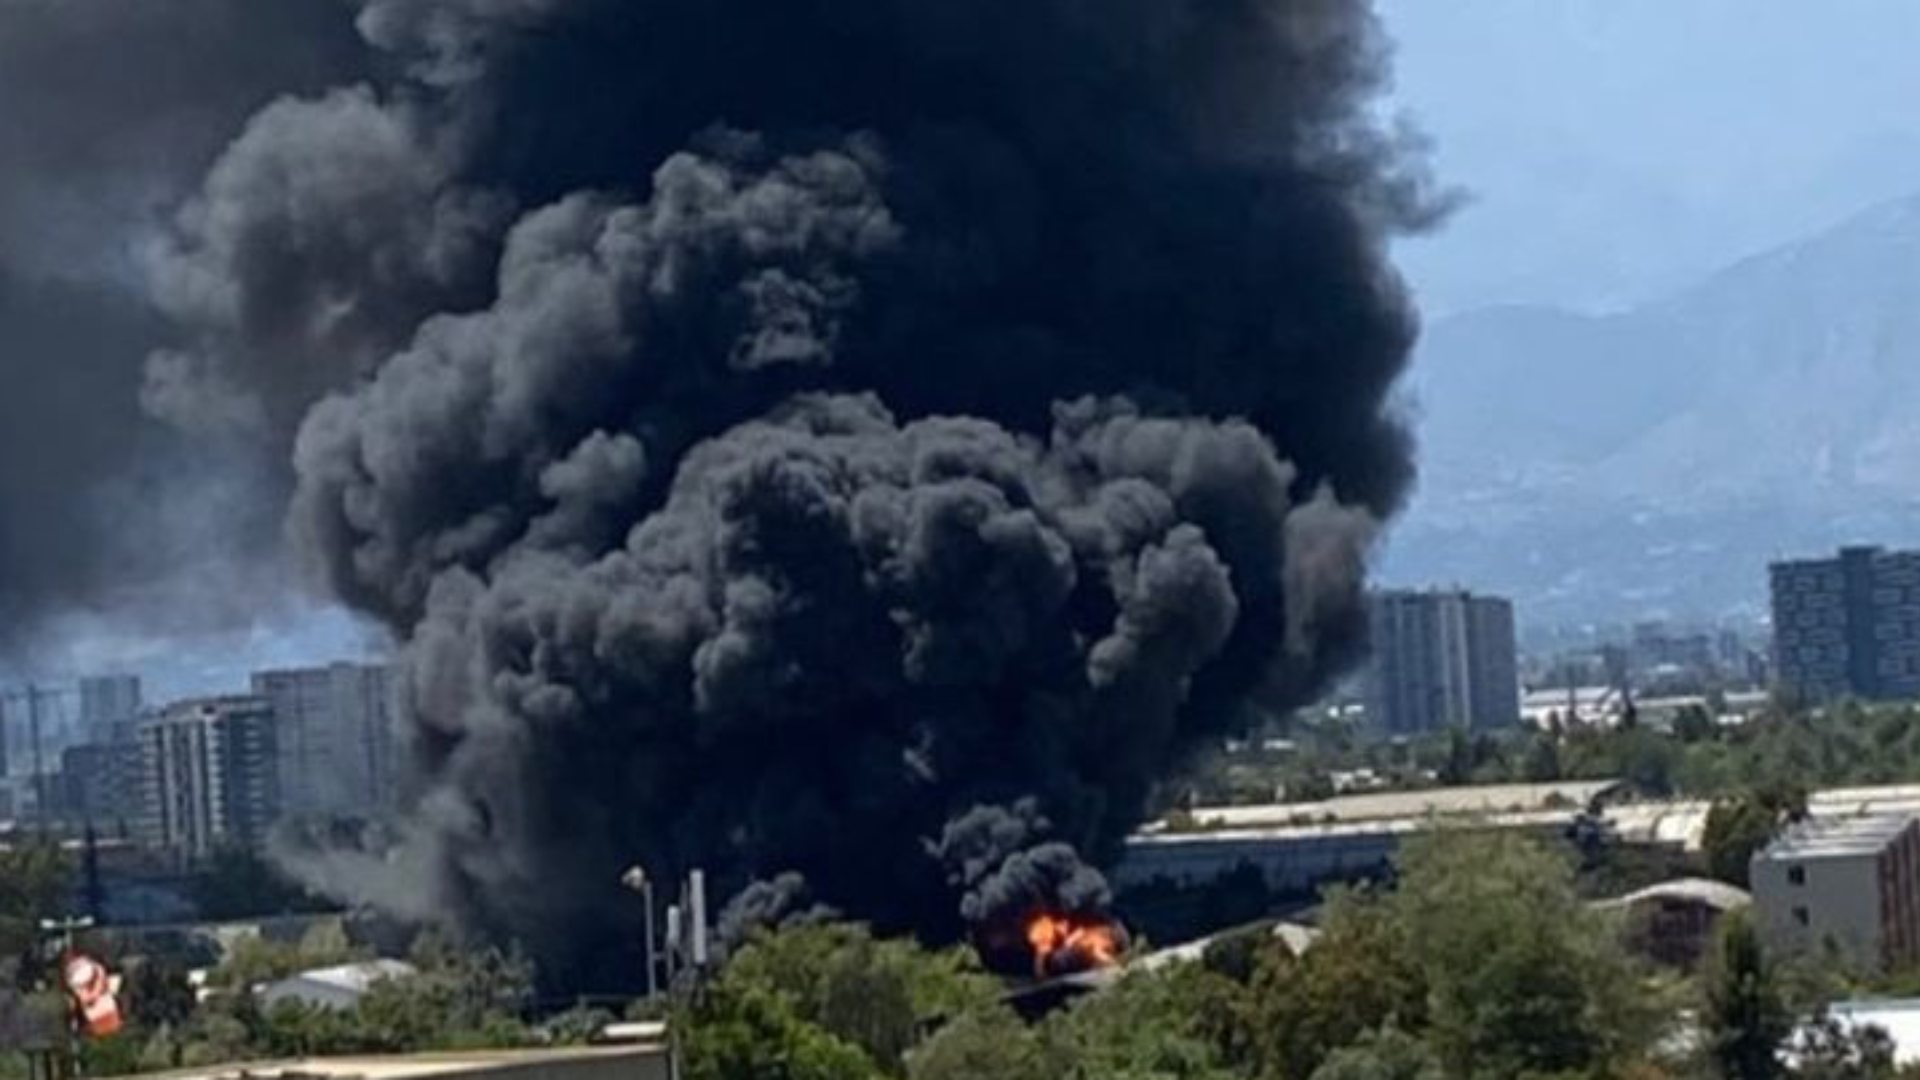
[867, 440]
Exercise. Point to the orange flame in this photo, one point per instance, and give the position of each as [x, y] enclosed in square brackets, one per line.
[1062, 944]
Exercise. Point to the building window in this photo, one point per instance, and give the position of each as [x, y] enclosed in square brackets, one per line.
[1800, 915]
[1796, 875]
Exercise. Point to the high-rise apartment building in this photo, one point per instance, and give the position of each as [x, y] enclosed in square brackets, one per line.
[103, 780]
[336, 741]
[1441, 658]
[208, 775]
[107, 701]
[1848, 625]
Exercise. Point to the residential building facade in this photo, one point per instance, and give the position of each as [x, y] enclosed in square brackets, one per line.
[1845, 882]
[208, 776]
[335, 749]
[1442, 658]
[107, 702]
[1849, 625]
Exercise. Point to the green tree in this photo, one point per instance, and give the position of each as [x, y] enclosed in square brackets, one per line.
[157, 995]
[1647, 760]
[1384, 1054]
[1457, 766]
[1736, 828]
[1358, 976]
[1693, 724]
[989, 1044]
[35, 879]
[1521, 976]
[738, 1031]
[1161, 1025]
[1745, 1018]
[1543, 759]
[253, 960]
[115, 1055]
[874, 994]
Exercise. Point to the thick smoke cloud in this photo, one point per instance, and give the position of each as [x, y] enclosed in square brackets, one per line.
[868, 440]
[109, 112]
[324, 230]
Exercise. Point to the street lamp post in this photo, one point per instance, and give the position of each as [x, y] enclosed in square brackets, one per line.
[65, 928]
[636, 879]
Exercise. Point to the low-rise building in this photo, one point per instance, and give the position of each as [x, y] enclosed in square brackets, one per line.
[1674, 921]
[338, 987]
[1844, 882]
[1298, 847]
[1554, 707]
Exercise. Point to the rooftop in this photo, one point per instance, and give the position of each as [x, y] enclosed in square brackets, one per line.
[415, 1066]
[1386, 806]
[355, 978]
[1830, 836]
[1715, 894]
[1899, 1018]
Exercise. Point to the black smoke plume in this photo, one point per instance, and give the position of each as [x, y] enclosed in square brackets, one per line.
[110, 111]
[862, 439]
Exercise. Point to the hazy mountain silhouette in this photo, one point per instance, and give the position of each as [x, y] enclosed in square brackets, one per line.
[1613, 466]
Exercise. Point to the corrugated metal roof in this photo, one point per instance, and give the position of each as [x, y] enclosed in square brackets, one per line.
[1456, 801]
[1715, 894]
[1834, 836]
[356, 977]
[409, 1066]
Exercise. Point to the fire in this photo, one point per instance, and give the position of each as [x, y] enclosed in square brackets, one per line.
[1063, 944]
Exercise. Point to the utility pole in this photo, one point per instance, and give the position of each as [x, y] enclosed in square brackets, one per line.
[636, 879]
[65, 927]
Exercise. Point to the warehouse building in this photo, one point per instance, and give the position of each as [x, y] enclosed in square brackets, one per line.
[1846, 883]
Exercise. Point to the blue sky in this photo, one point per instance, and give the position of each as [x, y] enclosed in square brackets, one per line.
[1615, 149]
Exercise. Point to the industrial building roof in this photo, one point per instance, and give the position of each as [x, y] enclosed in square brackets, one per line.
[1715, 894]
[414, 1066]
[1296, 937]
[1898, 1017]
[355, 979]
[1822, 837]
[1441, 802]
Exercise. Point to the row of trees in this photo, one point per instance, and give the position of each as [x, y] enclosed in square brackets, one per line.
[458, 998]
[1784, 746]
[35, 880]
[1483, 963]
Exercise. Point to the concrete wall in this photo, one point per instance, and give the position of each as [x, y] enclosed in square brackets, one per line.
[1838, 902]
[1294, 865]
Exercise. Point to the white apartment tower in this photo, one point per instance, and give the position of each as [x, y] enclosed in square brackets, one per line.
[1441, 658]
[208, 776]
[336, 745]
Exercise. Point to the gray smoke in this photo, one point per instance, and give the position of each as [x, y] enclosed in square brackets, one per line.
[109, 112]
[867, 440]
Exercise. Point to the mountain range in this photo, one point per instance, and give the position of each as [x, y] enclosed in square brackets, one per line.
[1650, 462]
